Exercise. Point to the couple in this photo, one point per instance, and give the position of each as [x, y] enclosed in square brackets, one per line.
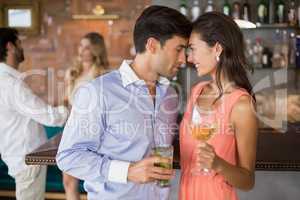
[107, 140]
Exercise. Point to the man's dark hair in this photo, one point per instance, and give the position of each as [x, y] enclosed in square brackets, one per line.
[161, 23]
[7, 35]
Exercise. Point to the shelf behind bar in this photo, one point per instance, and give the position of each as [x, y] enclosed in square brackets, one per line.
[273, 26]
[274, 69]
[283, 25]
[93, 17]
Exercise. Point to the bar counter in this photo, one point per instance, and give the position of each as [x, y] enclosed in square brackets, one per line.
[275, 151]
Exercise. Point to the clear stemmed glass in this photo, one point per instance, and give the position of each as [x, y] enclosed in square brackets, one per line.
[203, 127]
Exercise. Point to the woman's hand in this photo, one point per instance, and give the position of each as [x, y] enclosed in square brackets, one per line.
[207, 157]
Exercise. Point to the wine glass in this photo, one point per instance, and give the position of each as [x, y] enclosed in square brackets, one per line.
[203, 126]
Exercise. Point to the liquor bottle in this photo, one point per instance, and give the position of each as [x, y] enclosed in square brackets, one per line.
[183, 7]
[266, 58]
[262, 12]
[292, 47]
[196, 10]
[249, 51]
[210, 6]
[271, 12]
[257, 53]
[277, 56]
[298, 14]
[285, 49]
[298, 51]
[246, 11]
[226, 8]
[292, 14]
[236, 10]
[280, 11]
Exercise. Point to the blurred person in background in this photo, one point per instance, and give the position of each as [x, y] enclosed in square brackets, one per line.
[272, 107]
[22, 114]
[91, 62]
[293, 108]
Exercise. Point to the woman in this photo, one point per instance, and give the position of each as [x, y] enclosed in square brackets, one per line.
[91, 62]
[216, 49]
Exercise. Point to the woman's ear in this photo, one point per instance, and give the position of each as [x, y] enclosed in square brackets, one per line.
[218, 49]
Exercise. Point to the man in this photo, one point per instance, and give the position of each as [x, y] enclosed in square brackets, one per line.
[117, 118]
[21, 113]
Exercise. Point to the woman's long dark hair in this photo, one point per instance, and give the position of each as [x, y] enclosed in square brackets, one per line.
[216, 27]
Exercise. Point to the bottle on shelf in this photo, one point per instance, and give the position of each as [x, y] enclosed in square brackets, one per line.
[257, 53]
[236, 10]
[285, 49]
[249, 51]
[266, 57]
[246, 11]
[262, 12]
[271, 12]
[196, 10]
[276, 59]
[280, 11]
[298, 14]
[183, 7]
[292, 14]
[210, 6]
[292, 48]
[298, 51]
[226, 8]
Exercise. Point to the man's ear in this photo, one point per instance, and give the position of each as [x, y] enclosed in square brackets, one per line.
[152, 45]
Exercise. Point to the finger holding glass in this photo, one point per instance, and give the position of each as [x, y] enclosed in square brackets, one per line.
[206, 156]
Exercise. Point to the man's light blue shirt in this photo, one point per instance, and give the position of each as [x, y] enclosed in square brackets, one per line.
[113, 123]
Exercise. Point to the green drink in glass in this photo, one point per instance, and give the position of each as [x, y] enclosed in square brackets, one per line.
[165, 152]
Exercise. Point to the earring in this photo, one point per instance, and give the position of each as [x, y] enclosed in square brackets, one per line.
[218, 58]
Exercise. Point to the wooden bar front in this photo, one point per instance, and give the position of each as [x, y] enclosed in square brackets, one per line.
[275, 151]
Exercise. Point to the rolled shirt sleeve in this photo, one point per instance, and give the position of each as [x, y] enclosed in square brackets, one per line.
[118, 171]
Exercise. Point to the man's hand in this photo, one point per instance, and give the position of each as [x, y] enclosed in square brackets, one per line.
[144, 171]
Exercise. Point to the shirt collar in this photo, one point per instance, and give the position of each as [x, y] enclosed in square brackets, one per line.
[128, 75]
[4, 68]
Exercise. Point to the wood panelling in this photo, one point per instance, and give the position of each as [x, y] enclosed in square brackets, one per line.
[55, 48]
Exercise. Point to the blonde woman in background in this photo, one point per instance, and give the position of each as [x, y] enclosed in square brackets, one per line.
[91, 62]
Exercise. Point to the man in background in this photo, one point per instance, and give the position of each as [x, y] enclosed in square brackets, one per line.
[21, 116]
